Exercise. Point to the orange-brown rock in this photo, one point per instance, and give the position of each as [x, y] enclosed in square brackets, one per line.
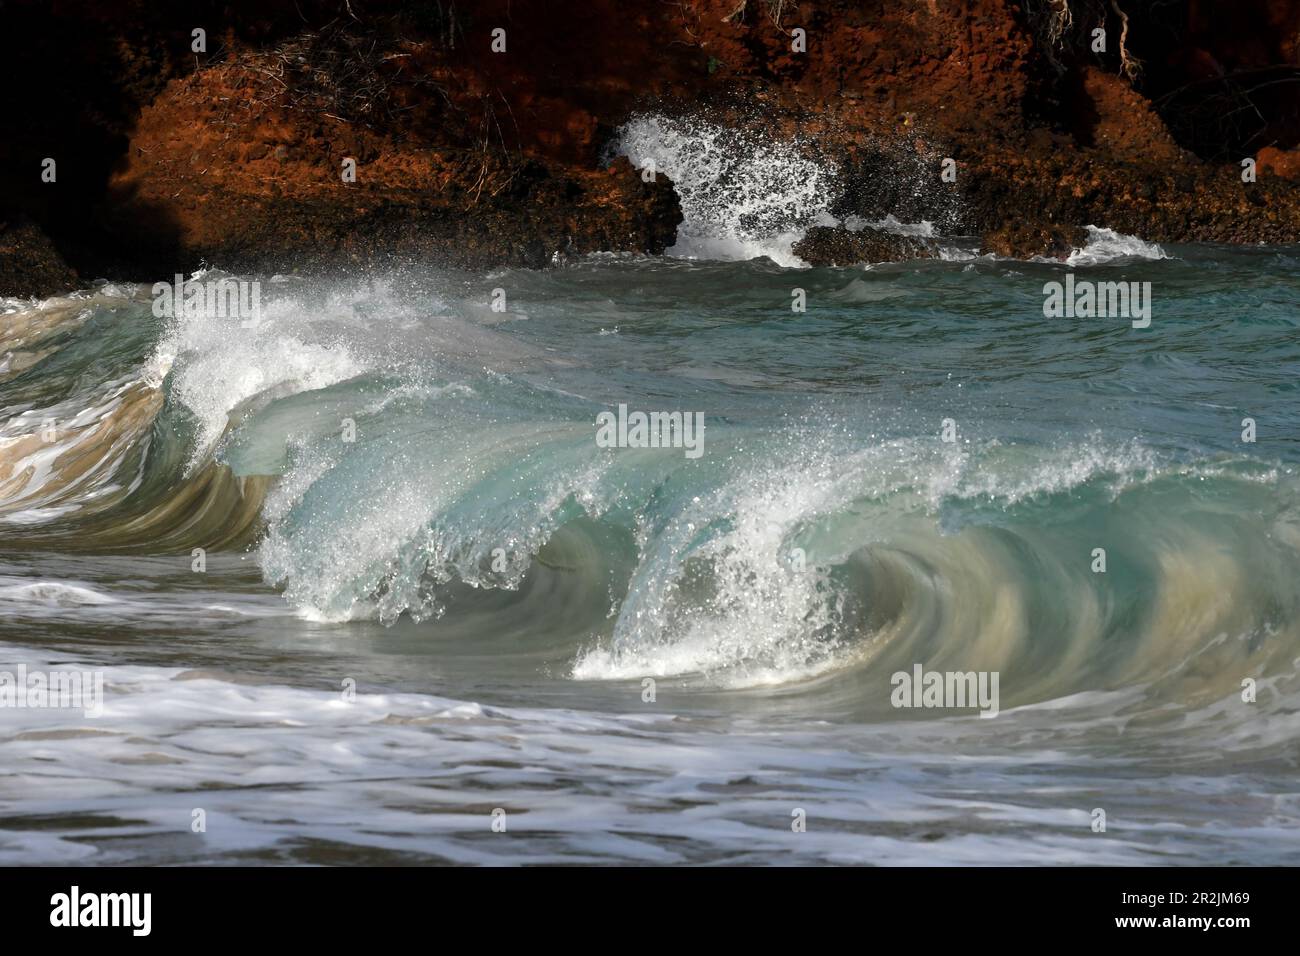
[1284, 163]
[472, 155]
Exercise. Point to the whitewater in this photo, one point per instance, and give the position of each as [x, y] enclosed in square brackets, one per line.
[360, 575]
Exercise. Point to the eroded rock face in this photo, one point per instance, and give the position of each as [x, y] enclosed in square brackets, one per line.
[1118, 122]
[1283, 163]
[837, 246]
[308, 195]
[32, 266]
[269, 160]
[1027, 240]
[470, 156]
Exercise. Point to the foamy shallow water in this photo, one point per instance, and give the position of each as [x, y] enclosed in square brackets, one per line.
[300, 775]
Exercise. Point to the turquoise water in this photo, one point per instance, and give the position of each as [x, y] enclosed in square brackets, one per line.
[397, 486]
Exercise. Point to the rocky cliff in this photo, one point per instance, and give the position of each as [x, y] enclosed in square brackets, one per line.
[289, 135]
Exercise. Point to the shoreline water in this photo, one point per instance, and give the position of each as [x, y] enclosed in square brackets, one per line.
[350, 673]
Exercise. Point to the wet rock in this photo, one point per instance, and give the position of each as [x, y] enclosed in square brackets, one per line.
[1022, 240]
[837, 246]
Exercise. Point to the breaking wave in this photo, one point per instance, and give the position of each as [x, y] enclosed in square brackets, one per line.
[387, 458]
[742, 194]
[1106, 245]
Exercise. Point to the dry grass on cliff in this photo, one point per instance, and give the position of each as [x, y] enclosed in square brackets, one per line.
[380, 82]
[775, 9]
[335, 73]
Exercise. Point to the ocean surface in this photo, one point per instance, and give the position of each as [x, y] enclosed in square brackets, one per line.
[434, 620]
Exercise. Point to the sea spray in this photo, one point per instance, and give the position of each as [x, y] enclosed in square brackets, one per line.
[742, 194]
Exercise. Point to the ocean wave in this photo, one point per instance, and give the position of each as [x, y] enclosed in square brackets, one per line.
[470, 495]
[1107, 245]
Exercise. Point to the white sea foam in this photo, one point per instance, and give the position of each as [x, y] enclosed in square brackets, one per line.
[742, 196]
[53, 593]
[281, 770]
[767, 622]
[25, 599]
[1105, 245]
[225, 363]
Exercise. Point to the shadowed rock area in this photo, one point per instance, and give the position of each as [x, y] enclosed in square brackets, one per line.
[478, 148]
[827, 246]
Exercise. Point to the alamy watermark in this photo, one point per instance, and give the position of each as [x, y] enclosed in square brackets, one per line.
[1085, 299]
[946, 689]
[75, 908]
[683, 430]
[53, 689]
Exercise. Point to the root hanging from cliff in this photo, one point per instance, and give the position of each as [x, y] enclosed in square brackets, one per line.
[775, 9]
[1130, 65]
[1059, 21]
[1054, 22]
